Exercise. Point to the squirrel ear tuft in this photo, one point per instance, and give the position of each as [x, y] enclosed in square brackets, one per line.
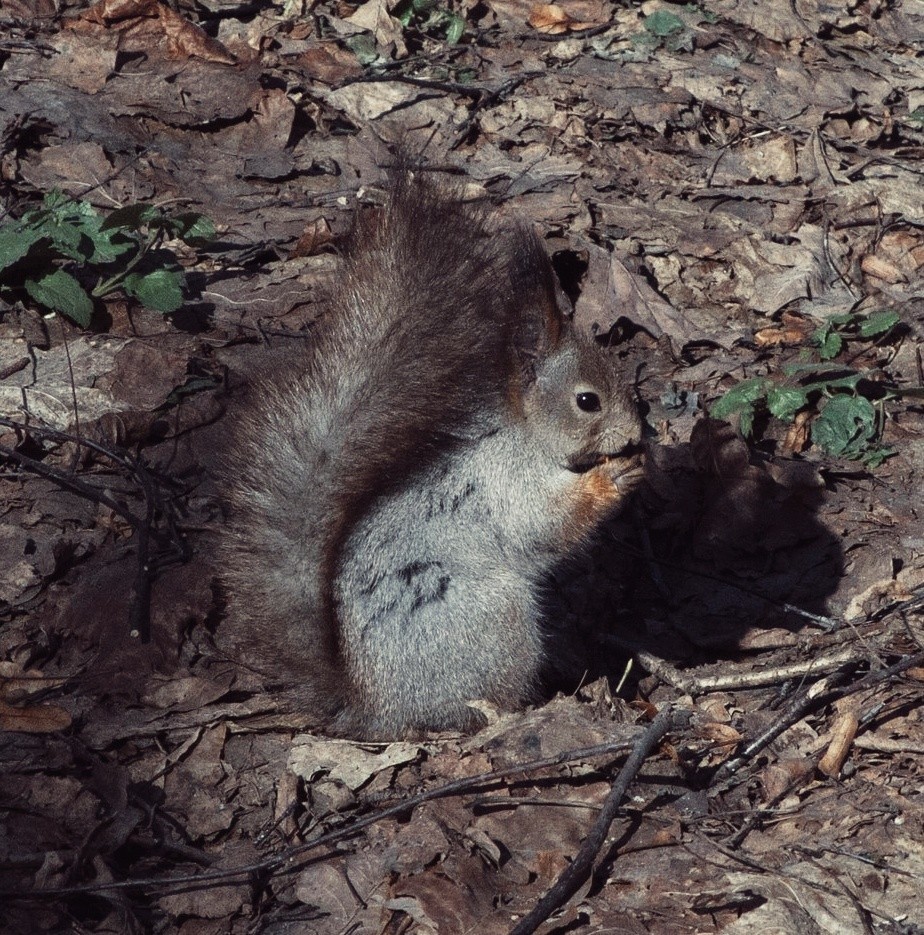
[538, 318]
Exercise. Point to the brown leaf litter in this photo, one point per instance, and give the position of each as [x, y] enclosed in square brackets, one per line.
[714, 184]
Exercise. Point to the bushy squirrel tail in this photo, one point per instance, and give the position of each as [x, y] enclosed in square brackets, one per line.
[414, 346]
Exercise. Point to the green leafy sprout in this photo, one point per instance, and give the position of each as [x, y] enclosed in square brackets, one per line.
[837, 330]
[849, 422]
[430, 17]
[53, 250]
[665, 29]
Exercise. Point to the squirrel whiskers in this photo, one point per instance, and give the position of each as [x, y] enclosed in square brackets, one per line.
[401, 491]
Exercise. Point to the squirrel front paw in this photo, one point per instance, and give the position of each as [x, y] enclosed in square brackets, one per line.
[603, 490]
[624, 473]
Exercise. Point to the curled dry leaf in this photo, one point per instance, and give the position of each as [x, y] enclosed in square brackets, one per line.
[793, 329]
[553, 20]
[346, 762]
[722, 740]
[797, 435]
[316, 234]
[781, 777]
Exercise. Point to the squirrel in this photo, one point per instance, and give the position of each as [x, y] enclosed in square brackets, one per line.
[401, 490]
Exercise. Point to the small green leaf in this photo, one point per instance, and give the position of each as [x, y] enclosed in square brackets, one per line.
[15, 242]
[742, 396]
[878, 323]
[60, 292]
[661, 23]
[161, 290]
[845, 427]
[403, 11]
[831, 346]
[109, 245]
[193, 228]
[746, 422]
[916, 118]
[55, 199]
[873, 457]
[455, 29]
[820, 333]
[68, 239]
[845, 318]
[785, 401]
[741, 400]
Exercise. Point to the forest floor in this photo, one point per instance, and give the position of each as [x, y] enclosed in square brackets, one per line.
[733, 194]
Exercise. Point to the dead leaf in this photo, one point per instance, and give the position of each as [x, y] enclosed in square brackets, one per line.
[375, 16]
[881, 268]
[83, 62]
[330, 62]
[784, 775]
[551, 19]
[75, 168]
[344, 761]
[36, 719]
[793, 330]
[610, 291]
[316, 235]
[152, 27]
[798, 435]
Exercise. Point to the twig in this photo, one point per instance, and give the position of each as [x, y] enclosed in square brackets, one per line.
[73, 382]
[66, 480]
[428, 84]
[756, 817]
[816, 696]
[288, 862]
[140, 608]
[699, 685]
[576, 872]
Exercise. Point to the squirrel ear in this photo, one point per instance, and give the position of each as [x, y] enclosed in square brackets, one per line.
[538, 319]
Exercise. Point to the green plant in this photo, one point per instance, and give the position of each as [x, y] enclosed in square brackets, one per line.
[51, 251]
[673, 30]
[429, 16]
[849, 405]
[916, 118]
[838, 329]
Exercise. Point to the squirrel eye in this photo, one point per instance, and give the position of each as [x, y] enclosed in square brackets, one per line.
[588, 402]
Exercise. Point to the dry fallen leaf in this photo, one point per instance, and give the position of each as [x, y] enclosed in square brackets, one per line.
[346, 761]
[874, 265]
[148, 25]
[317, 233]
[38, 719]
[792, 329]
[551, 19]
[797, 435]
